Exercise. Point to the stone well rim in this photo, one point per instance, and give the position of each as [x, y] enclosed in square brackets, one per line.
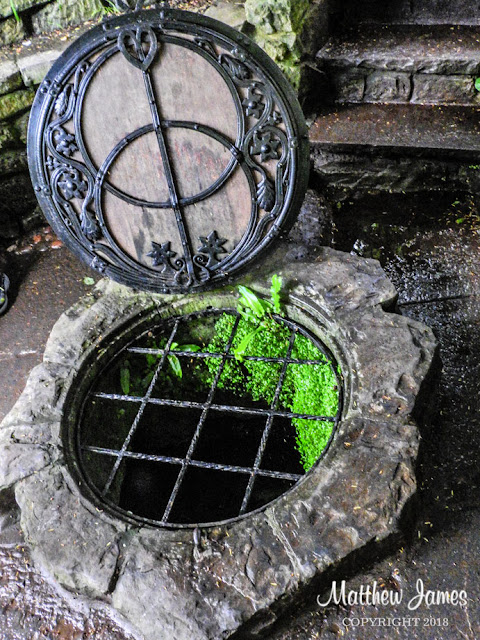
[159, 579]
[90, 367]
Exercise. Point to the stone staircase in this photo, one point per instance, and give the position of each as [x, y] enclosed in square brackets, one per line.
[402, 109]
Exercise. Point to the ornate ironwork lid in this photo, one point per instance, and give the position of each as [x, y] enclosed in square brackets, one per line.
[167, 150]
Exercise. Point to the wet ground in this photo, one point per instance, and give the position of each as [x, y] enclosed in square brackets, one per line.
[430, 247]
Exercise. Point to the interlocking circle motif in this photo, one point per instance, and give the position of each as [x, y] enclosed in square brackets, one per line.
[167, 150]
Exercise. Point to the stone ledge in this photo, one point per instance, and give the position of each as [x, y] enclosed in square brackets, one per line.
[443, 49]
[28, 65]
[33, 68]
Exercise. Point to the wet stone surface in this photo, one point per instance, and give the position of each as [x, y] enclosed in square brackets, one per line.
[235, 574]
[429, 247]
[437, 281]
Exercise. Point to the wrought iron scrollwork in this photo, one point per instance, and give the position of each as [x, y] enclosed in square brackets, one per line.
[139, 46]
[64, 142]
[265, 140]
[212, 247]
[72, 186]
[162, 256]
[253, 104]
[266, 194]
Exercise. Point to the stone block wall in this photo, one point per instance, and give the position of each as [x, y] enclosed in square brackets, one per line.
[290, 31]
[24, 61]
[21, 18]
[350, 12]
[17, 200]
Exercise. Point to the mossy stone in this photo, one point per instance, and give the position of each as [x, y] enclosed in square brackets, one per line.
[10, 78]
[21, 127]
[13, 162]
[291, 32]
[20, 5]
[231, 13]
[63, 14]
[11, 30]
[279, 27]
[16, 102]
[276, 15]
[8, 135]
[293, 71]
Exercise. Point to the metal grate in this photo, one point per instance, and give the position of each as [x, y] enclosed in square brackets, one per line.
[91, 456]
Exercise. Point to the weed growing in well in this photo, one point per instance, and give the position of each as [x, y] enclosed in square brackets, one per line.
[307, 389]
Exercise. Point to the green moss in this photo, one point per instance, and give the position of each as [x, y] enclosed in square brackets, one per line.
[8, 136]
[314, 391]
[14, 103]
[11, 30]
[307, 389]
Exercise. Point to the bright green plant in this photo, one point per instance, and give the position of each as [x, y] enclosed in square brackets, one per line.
[307, 389]
[110, 8]
[138, 383]
[256, 311]
[14, 11]
[310, 389]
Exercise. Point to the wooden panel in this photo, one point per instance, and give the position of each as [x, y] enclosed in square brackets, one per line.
[197, 160]
[134, 228]
[227, 212]
[115, 105]
[138, 170]
[187, 87]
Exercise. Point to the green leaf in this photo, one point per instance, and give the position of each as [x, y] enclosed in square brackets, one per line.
[151, 359]
[125, 379]
[477, 84]
[14, 11]
[240, 349]
[175, 365]
[88, 281]
[459, 220]
[185, 347]
[251, 300]
[142, 383]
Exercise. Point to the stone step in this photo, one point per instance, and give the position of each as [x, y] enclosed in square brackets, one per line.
[410, 12]
[423, 65]
[397, 148]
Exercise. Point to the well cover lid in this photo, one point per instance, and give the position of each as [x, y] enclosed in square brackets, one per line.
[167, 150]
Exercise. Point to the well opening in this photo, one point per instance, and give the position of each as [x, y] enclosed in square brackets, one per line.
[197, 419]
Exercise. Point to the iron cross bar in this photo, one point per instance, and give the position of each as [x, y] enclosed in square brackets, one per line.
[142, 60]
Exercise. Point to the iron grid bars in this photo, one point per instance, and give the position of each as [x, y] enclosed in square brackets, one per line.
[167, 150]
[142, 446]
